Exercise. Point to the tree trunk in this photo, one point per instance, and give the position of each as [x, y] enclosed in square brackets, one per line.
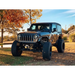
[2, 38]
[1, 35]
[2, 32]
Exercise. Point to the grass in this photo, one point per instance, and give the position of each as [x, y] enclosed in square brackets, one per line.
[10, 60]
[1, 43]
[6, 49]
[31, 58]
[6, 58]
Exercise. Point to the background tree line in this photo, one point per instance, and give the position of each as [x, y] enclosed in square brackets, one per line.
[71, 37]
[70, 28]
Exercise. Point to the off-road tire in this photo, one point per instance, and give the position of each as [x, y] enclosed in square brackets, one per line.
[60, 45]
[47, 51]
[15, 50]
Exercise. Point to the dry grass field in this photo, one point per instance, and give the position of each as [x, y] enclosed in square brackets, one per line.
[30, 58]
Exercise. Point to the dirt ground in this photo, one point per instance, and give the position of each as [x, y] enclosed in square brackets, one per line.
[66, 58]
[30, 58]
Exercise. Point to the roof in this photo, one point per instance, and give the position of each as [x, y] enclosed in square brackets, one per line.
[47, 23]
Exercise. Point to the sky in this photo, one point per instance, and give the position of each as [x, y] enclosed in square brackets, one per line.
[61, 16]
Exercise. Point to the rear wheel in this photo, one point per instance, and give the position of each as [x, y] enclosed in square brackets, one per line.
[60, 45]
[47, 51]
[15, 50]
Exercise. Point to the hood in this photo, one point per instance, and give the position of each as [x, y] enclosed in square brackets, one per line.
[29, 32]
[34, 33]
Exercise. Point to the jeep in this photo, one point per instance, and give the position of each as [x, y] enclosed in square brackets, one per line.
[40, 37]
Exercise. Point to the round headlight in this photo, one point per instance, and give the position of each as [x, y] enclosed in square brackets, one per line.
[36, 36]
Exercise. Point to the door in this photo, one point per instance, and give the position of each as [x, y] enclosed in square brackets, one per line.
[54, 33]
[59, 32]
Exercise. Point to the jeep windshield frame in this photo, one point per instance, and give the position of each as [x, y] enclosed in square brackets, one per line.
[40, 27]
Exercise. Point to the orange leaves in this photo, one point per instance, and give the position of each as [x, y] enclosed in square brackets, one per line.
[41, 10]
[15, 16]
[34, 14]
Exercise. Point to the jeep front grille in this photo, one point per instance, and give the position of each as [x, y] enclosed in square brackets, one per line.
[26, 38]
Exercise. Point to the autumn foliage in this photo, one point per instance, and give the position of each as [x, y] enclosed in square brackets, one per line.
[15, 16]
[33, 14]
[11, 20]
[71, 27]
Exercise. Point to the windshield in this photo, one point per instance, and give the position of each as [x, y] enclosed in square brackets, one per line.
[40, 27]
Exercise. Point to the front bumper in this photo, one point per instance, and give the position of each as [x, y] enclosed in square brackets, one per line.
[28, 42]
[28, 46]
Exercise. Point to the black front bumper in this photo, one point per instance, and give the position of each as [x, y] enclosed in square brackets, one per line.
[34, 50]
[36, 46]
[27, 42]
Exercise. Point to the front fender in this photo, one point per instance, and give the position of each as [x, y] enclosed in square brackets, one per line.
[40, 39]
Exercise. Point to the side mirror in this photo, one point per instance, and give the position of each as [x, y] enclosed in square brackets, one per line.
[54, 29]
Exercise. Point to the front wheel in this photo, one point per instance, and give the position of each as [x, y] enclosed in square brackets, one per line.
[60, 45]
[47, 51]
[15, 50]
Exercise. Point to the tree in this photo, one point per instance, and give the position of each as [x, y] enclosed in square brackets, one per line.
[33, 15]
[1, 16]
[16, 16]
[71, 27]
[64, 31]
[11, 20]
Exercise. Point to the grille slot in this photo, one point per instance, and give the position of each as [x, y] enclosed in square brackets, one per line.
[26, 37]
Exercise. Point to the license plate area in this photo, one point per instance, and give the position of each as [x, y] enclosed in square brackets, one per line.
[28, 46]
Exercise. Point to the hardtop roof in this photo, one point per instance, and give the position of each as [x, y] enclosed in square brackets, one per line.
[47, 23]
